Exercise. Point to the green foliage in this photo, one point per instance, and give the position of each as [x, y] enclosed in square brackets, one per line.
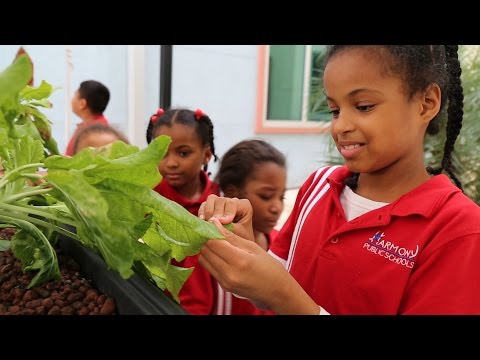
[105, 195]
[19, 105]
[466, 156]
[317, 103]
[32, 247]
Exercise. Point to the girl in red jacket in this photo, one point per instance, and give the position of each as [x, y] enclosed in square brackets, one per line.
[186, 182]
[383, 234]
[253, 170]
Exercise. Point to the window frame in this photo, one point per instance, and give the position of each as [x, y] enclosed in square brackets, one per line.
[264, 125]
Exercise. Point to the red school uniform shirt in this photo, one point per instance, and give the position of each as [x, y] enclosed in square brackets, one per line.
[229, 304]
[198, 295]
[99, 119]
[417, 255]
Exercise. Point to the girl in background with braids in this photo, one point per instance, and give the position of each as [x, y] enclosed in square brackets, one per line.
[383, 234]
[185, 181]
[184, 167]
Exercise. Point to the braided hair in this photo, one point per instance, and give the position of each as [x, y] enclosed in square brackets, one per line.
[197, 119]
[419, 66]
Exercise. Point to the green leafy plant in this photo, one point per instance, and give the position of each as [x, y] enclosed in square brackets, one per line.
[102, 198]
[317, 104]
[466, 156]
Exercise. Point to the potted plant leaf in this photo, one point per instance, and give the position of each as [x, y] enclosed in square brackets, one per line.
[98, 205]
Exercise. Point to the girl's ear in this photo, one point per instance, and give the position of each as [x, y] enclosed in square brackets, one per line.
[231, 191]
[431, 101]
[207, 155]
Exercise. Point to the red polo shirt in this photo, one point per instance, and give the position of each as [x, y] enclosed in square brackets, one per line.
[229, 304]
[99, 119]
[417, 255]
[199, 293]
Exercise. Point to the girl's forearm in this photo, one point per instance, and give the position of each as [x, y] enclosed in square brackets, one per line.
[291, 299]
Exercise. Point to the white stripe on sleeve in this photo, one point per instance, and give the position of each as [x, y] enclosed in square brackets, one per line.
[320, 189]
[278, 258]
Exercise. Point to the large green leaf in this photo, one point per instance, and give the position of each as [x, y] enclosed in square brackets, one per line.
[24, 127]
[158, 267]
[15, 77]
[52, 146]
[18, 153]
[5, 145]
[176, 277]
[183, 232]
[139, 168]
[27, 151]
[43, 91]
[34, 250]
[97, 226]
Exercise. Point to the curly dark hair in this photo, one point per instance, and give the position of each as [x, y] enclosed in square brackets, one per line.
[419, 66]
[240, 161]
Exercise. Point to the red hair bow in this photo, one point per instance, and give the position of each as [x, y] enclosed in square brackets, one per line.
[198, 114]
[154, 118]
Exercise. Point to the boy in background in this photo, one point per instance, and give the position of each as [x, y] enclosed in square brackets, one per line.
[89, 103]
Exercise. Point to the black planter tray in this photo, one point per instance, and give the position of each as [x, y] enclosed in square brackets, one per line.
[134, 296]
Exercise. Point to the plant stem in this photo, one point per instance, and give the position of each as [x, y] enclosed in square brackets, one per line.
[12, 198]
[44, 224]
[8, 174]
[32, 210]
[33, 176]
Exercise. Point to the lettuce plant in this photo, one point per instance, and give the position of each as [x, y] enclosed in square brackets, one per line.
[102, 198]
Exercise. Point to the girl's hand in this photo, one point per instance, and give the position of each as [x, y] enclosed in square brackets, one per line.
[244, 268]
[229, 210]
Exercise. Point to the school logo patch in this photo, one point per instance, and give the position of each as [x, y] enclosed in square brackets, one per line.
[379, 245]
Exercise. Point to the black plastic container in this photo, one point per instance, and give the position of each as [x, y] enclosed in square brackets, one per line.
[134, 296]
